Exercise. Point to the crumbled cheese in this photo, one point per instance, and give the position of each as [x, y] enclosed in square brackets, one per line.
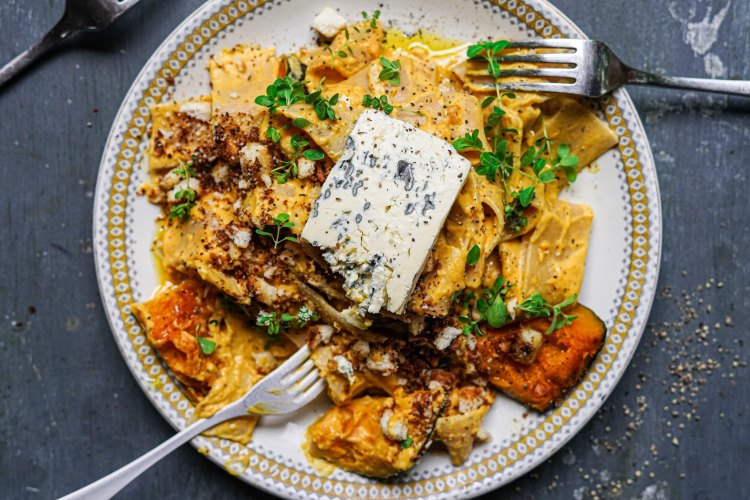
[344, 367]
[484, 435]
[191, 183]
[200, 110]
[328, 22]
[381, 361]
[305, 168]
[241, 238]
[267, 293]
[434, 385]
[253, 152]
[243, 184]
[270, 271]
[466, 405]
[385, 418]
[397, 430]
[471, 342]
[266, 180]
[265, 361]
[325, 332]
[220, 173]
[170, 179]
[361, 347]
[511, 306]
[446, 337]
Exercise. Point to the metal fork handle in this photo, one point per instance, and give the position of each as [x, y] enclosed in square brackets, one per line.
[734, 87]
[108, 486]
[63, 29]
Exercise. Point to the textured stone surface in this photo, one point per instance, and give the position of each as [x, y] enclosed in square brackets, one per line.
[70, 412]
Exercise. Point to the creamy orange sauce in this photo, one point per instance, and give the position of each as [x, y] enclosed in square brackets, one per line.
[322, 467]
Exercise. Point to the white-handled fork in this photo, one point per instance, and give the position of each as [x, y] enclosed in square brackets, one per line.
[590, 68]
[289, 387]
[79, 15]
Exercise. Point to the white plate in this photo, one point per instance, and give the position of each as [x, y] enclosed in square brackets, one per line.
[621, 270]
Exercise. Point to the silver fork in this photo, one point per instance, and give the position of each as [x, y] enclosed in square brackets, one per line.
[79, 15]
[592, 69]
[289, 387]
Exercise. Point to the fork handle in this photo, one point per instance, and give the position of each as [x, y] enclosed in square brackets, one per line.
[108, 486]
[734, 87]
[63, 29]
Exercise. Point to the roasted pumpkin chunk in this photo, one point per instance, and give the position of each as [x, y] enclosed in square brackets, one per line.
[232, 358]
[559, 363]
[378, 436]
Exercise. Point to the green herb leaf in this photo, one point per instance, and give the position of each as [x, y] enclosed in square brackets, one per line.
[207, 346]
[537, 306]
[469, 141]
[281, 221]
[282, 93]
[526, 195]
[187, 195]
[313, 154]
[488, 100]
[407, 443]
[301, 122]
[473, 256]
[273, 134]
[263, 100]
[390, 71]
[497, 314]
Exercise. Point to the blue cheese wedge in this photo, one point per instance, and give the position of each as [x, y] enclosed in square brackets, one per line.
[381, 208]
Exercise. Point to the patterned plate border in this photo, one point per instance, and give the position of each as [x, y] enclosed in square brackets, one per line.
[113, 227]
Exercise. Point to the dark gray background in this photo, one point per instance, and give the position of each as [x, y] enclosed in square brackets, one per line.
[70, 412]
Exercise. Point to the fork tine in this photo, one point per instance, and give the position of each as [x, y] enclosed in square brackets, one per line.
[305, 382]
[566, 88]
[559, 57]
[297, 374]
[293, 362]
[551, 43]
[540, 72]
[311, 393]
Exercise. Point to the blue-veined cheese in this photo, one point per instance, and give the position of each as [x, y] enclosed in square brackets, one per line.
[382, 206]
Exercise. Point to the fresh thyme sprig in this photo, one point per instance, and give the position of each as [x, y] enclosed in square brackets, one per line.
[491, 307]
[323, 107]
[539, 159]
[469, 141]
[345, 50]
[342, 52]
[284, 92]
[536, 306]
[281, 221]
[380, 103]
[490, 52]
[275, 323]
[372, 18]
[187, 195]
[289, 168]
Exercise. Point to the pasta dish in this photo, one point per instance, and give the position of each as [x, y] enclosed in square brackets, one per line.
[382, 199]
